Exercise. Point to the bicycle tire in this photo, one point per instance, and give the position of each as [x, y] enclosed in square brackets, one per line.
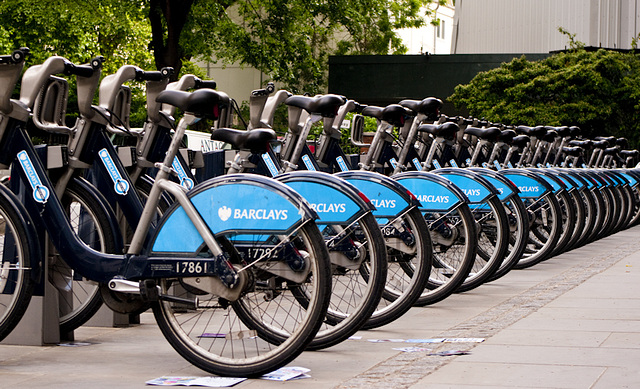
[600, 215]
[623, 207]
[568, 220]
[16, 283]
[79, 299]
[408, 268]
[453, 256]
[631, 207]
[611, 215]
[355, 293]
[518, 233]
[591, 217]
[580, 208]
[201, 335]
[492, 228]
[635, 193]
[544, 229]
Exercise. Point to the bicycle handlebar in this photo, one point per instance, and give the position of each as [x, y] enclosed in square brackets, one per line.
[16, 57]
[266, 91]
[201, 84]
[157, 75]
[9, 75]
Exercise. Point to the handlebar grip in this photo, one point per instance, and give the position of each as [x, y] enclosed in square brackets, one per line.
[270, 87]
[97, 62]
[84, 70]
[210, 84]
[266, 91]
[158, 75]
[78, 70]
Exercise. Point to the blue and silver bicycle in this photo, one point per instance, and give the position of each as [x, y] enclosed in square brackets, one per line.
[223, 313]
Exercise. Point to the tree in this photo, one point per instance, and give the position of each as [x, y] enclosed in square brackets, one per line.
[599, 91]
[289, 40]
[78, 30]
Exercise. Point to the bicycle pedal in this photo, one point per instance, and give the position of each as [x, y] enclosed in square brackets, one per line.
[149, 290]
[124, 286]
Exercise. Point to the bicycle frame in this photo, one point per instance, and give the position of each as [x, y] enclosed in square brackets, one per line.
[140, 262]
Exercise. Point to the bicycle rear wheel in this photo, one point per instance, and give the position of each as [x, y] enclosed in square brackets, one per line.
[266, 327]
[568, 215]
[518, 220]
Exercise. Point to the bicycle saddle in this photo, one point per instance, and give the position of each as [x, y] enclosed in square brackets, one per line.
[255, 140]
[429, 106]
[574, 151]
[324, 105]
[520, 141]
[537, 132]
[394, 114]
[629, 153]
[550, 136]
[622, 142]
[601, 144]
[562, 131]
[201, 103]
[507, 136]
[611, 150]
[445, 130]
[611, 140]
[574, 131]
[585, 144]
[491, 134]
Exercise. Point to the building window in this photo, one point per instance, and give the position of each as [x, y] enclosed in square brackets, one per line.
[440, 29]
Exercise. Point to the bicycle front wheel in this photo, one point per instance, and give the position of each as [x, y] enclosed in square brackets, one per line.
[16, 285]
[410, 256]
[79, 298]
[266, 327]
[455, 240]
[492, 228]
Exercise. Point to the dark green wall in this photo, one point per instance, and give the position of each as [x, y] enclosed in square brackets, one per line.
[386, 79]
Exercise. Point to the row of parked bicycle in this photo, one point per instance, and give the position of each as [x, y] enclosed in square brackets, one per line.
[245, 271]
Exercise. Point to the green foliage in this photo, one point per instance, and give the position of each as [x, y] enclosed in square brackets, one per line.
[291, 40]
[288, 40]
[573, 43]
[598, 91]
[79, 31]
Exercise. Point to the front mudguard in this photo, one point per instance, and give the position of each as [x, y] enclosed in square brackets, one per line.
[241, 204]
[32, 238]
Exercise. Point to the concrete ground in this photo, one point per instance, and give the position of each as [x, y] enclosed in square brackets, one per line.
[570, 322]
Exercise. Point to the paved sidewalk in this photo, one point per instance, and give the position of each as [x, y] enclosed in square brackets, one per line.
[570, 322]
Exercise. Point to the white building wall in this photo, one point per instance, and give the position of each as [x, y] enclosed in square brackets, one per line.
[235, 80]
[428, 39]
[531, 26]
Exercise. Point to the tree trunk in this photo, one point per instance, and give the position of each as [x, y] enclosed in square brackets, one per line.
[168, 18]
